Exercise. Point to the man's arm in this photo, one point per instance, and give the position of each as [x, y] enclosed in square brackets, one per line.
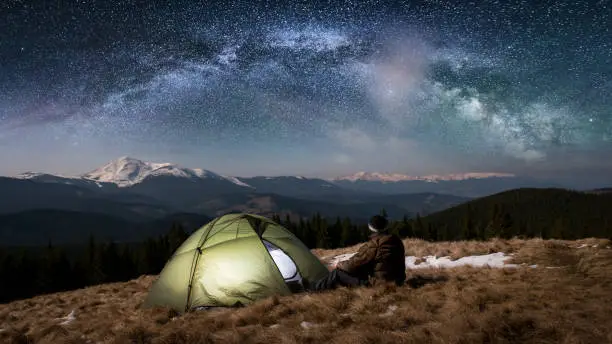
[364, 256]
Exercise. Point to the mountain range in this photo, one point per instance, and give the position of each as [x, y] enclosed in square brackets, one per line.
[136, 193]
[130, 173]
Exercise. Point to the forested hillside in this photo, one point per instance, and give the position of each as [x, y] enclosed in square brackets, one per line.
[545, 213]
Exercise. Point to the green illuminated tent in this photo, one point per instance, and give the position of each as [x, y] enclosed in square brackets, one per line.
[234, 260]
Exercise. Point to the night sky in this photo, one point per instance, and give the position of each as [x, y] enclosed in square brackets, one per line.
[308, 88]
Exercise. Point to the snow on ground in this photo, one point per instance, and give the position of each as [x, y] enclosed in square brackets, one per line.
[68, 318]
[341, 258]
[493, 260]
[586, 245]
[390, 310]
[307, 325]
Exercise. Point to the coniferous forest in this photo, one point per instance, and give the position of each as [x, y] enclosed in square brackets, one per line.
[547, 214]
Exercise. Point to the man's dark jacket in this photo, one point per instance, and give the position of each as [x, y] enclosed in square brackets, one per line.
[381, 259]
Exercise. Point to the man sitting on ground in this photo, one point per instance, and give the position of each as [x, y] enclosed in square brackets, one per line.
[381, 259]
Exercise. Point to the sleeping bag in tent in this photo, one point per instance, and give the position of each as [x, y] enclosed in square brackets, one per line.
[234, 260]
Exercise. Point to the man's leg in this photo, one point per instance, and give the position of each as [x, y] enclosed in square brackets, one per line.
[334, 279]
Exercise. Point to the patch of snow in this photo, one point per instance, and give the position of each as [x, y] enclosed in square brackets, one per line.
[341, 258]
[608, 247]
[533, 266]
[274, 326]
[307, 325]
[2, 330]
[68, 318]
[555, 267]
[582, 246]
[390, 310]
[493, 260]
[238, 181]
[594, 246]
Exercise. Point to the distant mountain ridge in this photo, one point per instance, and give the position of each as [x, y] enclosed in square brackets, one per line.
[127, 171]
[397, 177]
[182, 187]
[131, 195]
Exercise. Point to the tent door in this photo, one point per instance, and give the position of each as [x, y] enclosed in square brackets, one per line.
[286, 266]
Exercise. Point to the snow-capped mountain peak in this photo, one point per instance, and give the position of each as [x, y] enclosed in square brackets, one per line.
[127, 171]
[396, 177]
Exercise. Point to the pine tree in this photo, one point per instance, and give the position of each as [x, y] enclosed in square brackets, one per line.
[468, 229]
[176, 237]
[129, 268]
[383, 213]
[506, 225]
[44, 278]
[310, 234]
[558, 230]
[301, 230]
[287, 224]
[493, 228]
[443, 233]
[62, 271]
[321, 230]
[335, 234]
[110, 262]
[348, 236]
[419, 228]
[432, 233]
[95, 274]
[405, 229]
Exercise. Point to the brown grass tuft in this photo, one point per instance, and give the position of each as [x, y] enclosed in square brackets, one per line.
[565, 299]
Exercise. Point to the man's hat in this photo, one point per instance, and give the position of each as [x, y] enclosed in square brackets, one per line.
[378, 223]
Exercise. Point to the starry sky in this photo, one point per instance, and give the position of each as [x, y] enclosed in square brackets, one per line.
[312, 88]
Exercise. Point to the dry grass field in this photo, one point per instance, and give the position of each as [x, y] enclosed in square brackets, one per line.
[561, 294]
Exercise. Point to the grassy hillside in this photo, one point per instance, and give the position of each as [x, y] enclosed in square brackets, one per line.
[562, 295]
[547, 213]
